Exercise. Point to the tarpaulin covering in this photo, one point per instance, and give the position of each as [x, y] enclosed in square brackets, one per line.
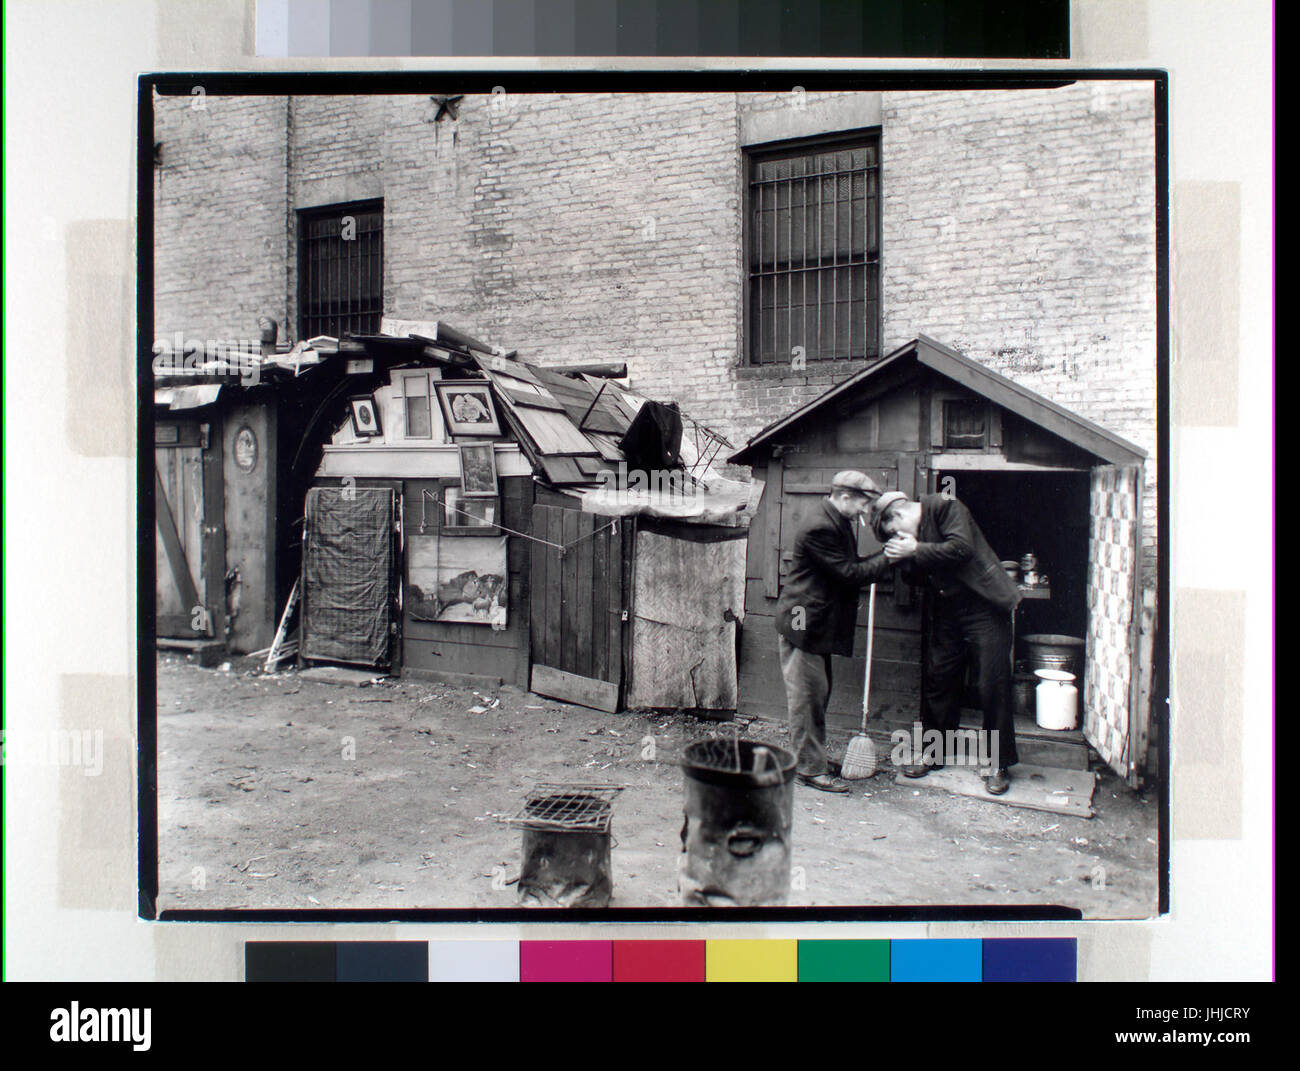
[347, 574]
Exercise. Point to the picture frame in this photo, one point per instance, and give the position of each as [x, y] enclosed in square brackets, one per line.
[468, 515]
[467, 407]
[365, 417]
[478, 470]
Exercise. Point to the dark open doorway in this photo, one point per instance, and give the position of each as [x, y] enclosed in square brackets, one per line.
[1043, 513]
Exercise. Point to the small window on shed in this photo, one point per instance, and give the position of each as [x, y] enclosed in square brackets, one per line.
[965, 424]
[415, 391]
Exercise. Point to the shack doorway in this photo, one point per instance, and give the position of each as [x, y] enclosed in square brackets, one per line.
[1040, 513]
[1045, 514]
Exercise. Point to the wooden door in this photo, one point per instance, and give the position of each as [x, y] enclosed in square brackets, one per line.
[576, 605]
[689, 591]
[1112, 677]
[189, 544]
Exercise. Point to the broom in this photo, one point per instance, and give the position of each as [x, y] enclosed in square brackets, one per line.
[860, 758]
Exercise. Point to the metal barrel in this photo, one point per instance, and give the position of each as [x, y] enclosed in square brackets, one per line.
[736, 837]
[566, 846]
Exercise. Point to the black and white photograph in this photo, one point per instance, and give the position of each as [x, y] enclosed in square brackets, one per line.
[817, 550]
[365, 417]
[478, 470]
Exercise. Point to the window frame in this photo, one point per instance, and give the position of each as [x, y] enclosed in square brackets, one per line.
[305, 216]
[405, 376]
[752, 155]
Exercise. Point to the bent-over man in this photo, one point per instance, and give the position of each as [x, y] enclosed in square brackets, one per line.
[971, 614]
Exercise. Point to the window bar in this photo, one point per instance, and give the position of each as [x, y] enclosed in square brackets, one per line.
[821, 222]
[345, 249]
[776, 225]
[835, 272]
[756, 297]
[789, 263]
[851, 258]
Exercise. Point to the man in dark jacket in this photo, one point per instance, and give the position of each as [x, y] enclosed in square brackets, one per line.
[971, 613]
[817, 612]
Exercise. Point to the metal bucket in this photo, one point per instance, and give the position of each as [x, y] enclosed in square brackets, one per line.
[1024, 687]
[736, 834]
[562, 868]
[566, 846]
[1047, 650]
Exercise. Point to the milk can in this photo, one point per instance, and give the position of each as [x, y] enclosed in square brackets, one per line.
[1056, 699]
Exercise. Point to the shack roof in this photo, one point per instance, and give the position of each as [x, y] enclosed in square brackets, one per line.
[568, 422]
[947, 362]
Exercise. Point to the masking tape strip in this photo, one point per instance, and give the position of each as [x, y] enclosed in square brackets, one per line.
[1109, 31]
[225, 31]
[1205, 302]
[100, 345]
[94, 747]
[1208, 713]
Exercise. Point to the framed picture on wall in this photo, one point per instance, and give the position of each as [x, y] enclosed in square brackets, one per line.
[365, 417]
[470, 515]
[478, 469]
[468, 408]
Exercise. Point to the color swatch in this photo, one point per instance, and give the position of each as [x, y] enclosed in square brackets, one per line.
[1033, 959]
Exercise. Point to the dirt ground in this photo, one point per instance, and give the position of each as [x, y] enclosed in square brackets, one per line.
[277, 792]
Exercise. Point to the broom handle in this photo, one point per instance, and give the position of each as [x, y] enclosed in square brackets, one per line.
[871, 635]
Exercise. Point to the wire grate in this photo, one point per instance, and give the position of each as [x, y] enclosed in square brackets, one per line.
[551, 805]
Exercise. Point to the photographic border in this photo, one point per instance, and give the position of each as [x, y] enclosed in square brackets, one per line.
[588, 81]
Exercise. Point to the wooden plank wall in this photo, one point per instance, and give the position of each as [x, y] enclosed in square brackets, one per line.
[463, 649]
[578, 597]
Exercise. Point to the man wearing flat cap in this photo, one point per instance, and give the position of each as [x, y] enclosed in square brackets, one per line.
[972, 603]
[817, 612]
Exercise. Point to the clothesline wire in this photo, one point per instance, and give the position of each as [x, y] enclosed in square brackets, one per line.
[561, 547]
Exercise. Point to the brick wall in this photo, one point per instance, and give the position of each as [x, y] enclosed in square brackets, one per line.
[220, 222]
[1017, 227]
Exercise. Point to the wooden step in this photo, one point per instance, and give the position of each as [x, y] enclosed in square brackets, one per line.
[207, 652]
[1064, 749]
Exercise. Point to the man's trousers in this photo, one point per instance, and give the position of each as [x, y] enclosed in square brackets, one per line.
[807, 694]
[966, 625]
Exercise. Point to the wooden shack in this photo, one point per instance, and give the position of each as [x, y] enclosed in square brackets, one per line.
[471, 521]
[227, 502]
[1038, 479]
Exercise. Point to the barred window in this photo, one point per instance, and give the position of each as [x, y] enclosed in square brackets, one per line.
[813, 236]
[341, 269]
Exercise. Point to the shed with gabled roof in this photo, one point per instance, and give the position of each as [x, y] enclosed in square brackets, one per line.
[1039, 479]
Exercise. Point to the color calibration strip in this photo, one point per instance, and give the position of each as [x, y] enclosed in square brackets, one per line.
[1023, 29]
[1033, 959]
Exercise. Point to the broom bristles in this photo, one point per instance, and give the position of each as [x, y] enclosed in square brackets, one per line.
[859, 759]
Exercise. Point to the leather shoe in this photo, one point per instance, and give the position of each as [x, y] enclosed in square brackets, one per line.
[916, 769]
[823, 783]
[998, 782]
